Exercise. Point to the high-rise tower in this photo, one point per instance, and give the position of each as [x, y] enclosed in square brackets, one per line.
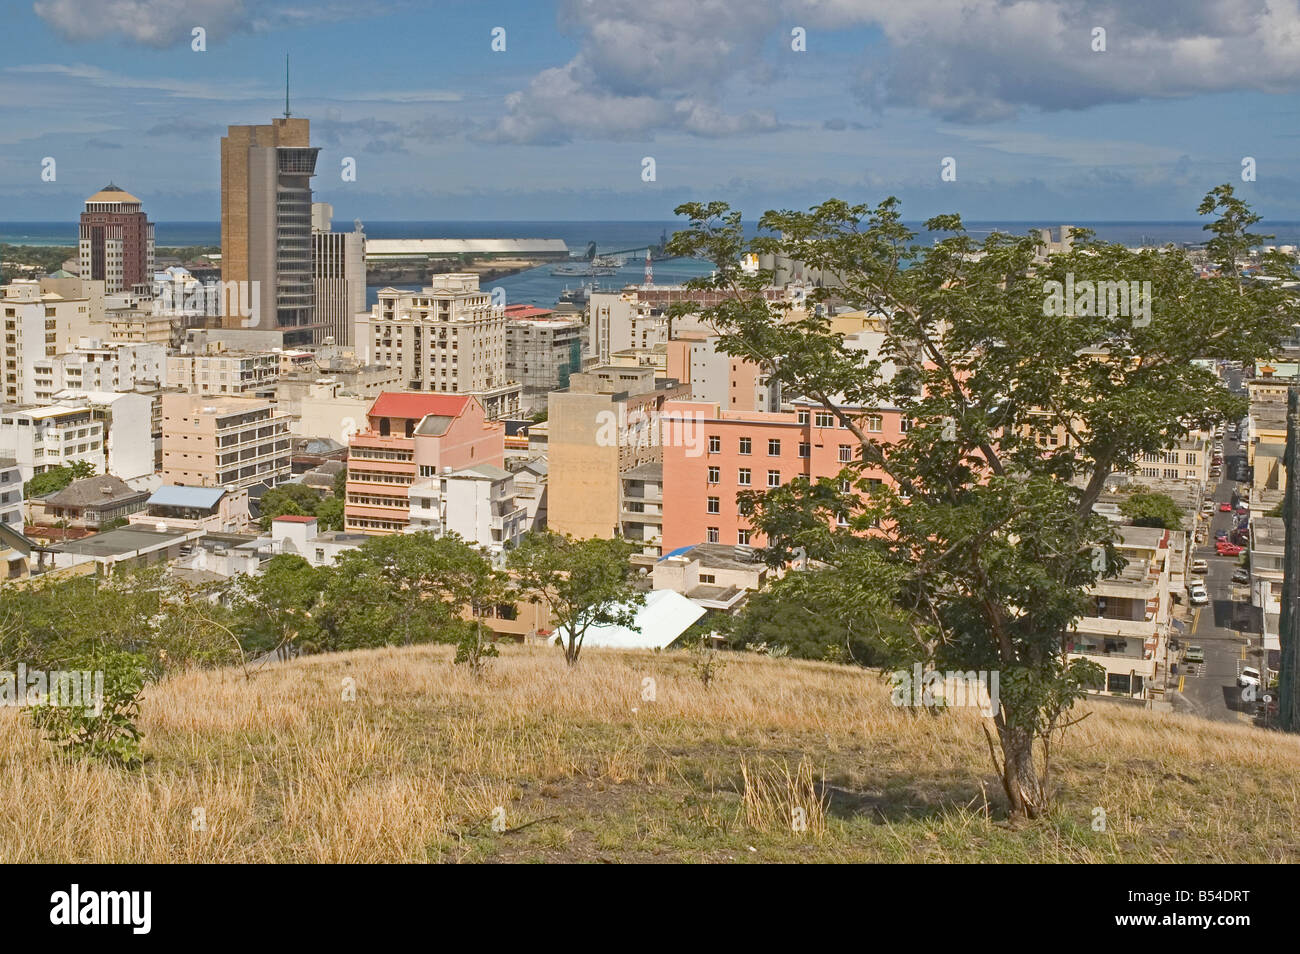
[116, 242]
[266, 225]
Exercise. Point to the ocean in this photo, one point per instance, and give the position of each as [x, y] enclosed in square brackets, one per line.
[538, 286]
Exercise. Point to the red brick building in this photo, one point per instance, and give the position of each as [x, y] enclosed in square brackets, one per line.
[116, 244]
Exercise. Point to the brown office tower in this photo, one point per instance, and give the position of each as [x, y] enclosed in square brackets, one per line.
[266, 228]
[116, 244]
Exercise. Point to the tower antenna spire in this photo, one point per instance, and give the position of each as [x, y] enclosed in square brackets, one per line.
[286, 86]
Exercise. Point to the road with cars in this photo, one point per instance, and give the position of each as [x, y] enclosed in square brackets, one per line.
[1210, 689]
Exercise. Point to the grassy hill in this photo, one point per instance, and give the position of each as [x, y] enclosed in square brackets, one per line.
[583, 768]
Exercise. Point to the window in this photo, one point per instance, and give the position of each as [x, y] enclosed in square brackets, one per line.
[742, 537]
[803, 416]
[805, 449]
[875, 423]
[773, 448]
[708, 578]
[825, 419]
[745, 445]
[715, 475]
[712, 534]
[426, 470]
[904, 424]
[774, 478]
[715, 505]
[715, 444]
[845, 485]
[742, 477]
[846, 453]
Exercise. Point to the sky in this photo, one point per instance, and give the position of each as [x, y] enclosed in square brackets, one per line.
[760, 103]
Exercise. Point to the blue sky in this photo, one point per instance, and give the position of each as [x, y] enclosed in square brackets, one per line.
[1042, 127]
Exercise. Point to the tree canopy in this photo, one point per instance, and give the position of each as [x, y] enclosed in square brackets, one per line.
[974, 532]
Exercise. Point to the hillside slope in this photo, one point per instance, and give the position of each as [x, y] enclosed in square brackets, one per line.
[579, 766]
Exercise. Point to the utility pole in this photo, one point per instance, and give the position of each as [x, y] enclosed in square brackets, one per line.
[1289, 625]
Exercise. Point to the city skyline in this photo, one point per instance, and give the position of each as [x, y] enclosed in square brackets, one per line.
[558, 124]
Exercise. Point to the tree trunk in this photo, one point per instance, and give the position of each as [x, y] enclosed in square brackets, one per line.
[1019, 774]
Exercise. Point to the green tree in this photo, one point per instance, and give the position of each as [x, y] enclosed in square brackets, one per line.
[583, 583]
[279, 608]
[1152, 510]
[56, 478]
[329, 513]
[293, 499]
[981, 538]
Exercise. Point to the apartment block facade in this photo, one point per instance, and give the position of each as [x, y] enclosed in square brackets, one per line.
[223, 441]
[339, 276]
[448, 338]
[218, 372]
[95, 366]
[407, 438]
[542, 352]
[37, 325]
[602, 426]
[734, 451]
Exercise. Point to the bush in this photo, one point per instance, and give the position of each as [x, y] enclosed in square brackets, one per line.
[107, 730]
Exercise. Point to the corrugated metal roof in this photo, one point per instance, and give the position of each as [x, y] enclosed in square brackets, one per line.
[172, 495]
[415, 406]
[665, 616]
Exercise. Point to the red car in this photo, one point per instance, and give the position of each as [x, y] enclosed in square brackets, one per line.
[1225, 508]
[1228, 549]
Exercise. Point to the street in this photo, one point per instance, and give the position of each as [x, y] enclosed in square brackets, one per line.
[1210, 689]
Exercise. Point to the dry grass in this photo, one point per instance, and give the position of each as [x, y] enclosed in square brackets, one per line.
[535, 762]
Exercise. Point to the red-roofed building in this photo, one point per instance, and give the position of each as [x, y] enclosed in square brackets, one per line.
[413, 436]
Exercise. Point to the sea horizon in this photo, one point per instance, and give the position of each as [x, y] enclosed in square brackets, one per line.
[611, 234]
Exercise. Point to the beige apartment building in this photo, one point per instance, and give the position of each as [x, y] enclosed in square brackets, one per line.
[37, 325]
[223, 441]
[448, 337]
[602, 427]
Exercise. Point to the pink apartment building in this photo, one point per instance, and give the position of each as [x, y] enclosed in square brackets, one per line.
[411, 437]
[750, 450]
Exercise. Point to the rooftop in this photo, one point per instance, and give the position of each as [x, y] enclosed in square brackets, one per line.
[415, 405]
[123, 540]
[89, 491]
[173, 495]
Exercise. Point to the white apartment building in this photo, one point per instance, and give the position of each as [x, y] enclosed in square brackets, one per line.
[128, 424]
[56, 435]
[448, 337]
[477, 503]
[217, 372]
[11, 494]
[339, 276]
[95, 366]
[1127, 634]
[37, 325]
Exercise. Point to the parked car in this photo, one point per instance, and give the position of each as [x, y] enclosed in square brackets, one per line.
[1248, 677]
[1194, 654]
[1225, 508]
[1217, 462]
[1200, 566]
[1200, 596]
[1241, 575]
[1228, 549]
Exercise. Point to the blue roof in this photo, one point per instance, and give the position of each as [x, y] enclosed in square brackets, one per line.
[680, 551]
[201, 498]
